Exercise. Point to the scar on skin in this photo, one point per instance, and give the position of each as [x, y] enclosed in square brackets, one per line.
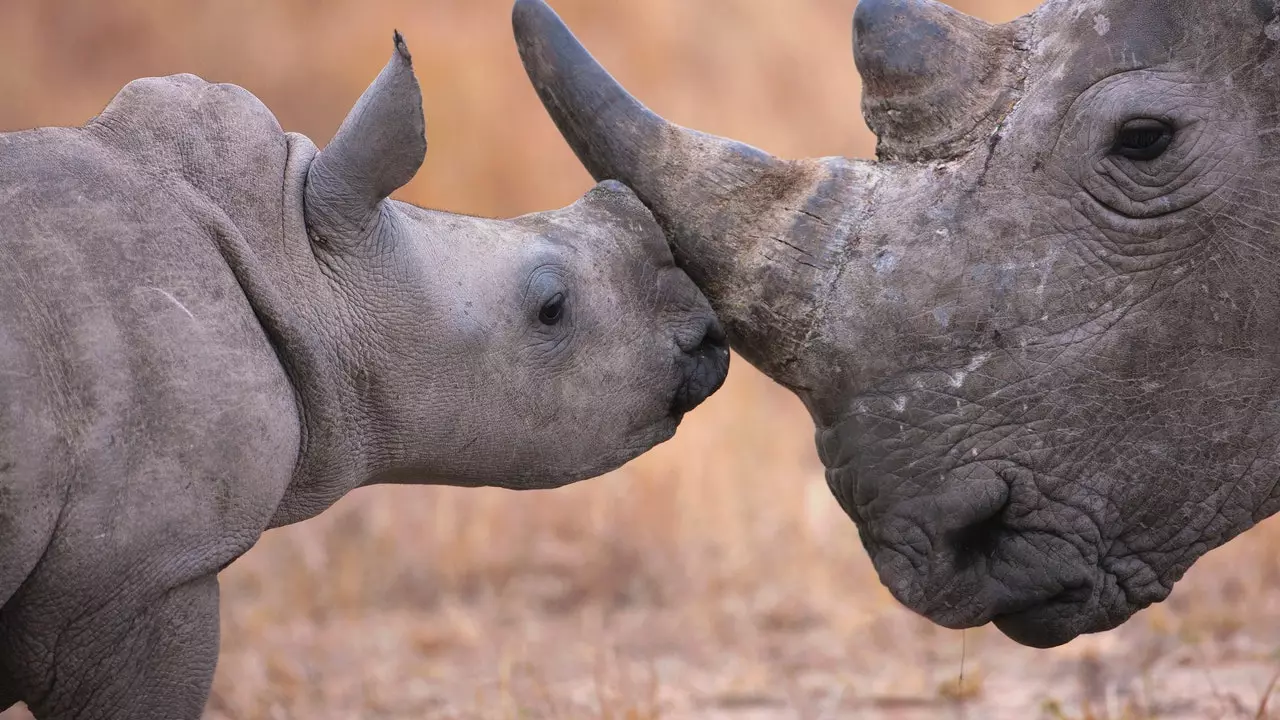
[1102, 24]
[174, 299]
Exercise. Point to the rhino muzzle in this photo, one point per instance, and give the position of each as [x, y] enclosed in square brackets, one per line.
[703, 367]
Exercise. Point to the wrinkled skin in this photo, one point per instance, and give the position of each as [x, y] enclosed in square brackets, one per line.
[1040, 340]
[208, 328]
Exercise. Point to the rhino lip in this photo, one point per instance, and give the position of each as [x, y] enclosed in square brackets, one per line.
[703, 371]
[1043, 612]
[1038, 617]
[1050, 623]
[970, 577]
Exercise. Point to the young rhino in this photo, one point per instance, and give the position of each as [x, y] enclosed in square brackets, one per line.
[208, 329]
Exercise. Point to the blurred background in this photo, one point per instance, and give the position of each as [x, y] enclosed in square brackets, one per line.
[714, 577]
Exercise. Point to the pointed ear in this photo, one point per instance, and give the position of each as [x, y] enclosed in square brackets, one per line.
[378, 149]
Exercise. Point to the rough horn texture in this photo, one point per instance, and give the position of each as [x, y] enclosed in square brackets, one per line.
[934, 80]
[194, 349]
[1045, 370]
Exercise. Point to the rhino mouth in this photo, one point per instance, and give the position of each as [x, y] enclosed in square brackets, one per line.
[702, 368]
[990, 542]
[1054, 621]
[1033, 585]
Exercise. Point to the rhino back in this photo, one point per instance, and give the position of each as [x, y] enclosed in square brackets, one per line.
[146, 424]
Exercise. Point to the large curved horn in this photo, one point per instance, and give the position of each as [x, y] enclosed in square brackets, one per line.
[751, 229]
[935, 80]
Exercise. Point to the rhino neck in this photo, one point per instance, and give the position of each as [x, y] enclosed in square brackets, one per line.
[222, 143]
[299, 308]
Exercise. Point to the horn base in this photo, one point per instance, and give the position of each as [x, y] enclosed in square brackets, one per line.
[936, 82]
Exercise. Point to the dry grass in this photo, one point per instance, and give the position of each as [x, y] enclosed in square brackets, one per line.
[714, 577]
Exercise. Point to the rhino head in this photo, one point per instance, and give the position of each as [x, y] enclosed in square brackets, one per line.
[1040, 338]
[525, 353]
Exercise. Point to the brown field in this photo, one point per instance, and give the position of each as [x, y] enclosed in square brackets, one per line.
[715, 577]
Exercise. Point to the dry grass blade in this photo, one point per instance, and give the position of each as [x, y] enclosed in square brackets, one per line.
[1262, 712]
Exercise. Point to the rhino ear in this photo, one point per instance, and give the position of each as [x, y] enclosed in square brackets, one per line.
[378, 149]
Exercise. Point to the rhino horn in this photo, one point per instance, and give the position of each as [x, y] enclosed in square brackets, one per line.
[730, 211]
[377, 149]
[934, 80]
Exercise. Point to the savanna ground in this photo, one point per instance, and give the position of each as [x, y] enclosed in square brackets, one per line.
[714, 577]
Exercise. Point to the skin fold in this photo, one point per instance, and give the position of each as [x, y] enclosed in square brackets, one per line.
[209, 327]
[1039, 337]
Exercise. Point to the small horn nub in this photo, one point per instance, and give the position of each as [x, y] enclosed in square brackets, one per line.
[935, 81]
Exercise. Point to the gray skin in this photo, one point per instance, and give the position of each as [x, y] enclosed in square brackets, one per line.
[1040, 338]
[208, 328]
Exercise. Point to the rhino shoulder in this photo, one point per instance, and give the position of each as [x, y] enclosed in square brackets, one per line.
[214, 135]
[184, 104]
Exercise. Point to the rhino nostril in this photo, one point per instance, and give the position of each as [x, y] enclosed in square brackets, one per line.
[976, 515]
[711, 339]
[977, 541]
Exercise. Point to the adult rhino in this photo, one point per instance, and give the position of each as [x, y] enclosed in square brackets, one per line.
[208, 328]
[1040, 339]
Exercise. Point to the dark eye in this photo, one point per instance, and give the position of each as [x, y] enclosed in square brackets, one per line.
[552, 310]
[1143, 139]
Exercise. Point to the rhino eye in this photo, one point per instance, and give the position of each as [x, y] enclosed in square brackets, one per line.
[1143, 139]
[552, 310]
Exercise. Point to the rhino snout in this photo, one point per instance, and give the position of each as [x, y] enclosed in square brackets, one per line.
[703, 366]
[984, 545]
